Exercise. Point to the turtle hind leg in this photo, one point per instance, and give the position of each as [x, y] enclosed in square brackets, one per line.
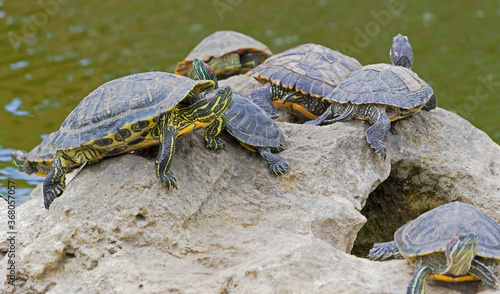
[263, 98]
[375, 135]
[417, 282]
[480, 270]
[384, 251]
[329, 116]
[54, 183]
[431, 104]
[277, 164]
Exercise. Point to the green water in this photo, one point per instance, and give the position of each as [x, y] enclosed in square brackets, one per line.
[54, 52]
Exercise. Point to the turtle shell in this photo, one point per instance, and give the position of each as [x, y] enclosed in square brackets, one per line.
[433, 230]
[43, 152]
[251, 125]
[310, 69]
[122, 107]
[219, 44]
[384, 84]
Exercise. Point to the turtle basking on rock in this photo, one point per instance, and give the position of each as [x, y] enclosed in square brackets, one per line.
[299, 78]
[39, 160]
[454, 242]
[380, 93]
[249, 124]
[134, 112]
[227, 52]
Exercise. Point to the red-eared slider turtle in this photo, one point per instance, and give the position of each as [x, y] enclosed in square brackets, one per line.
[227, 52]
[38, 160]
[379, 93]
[299, 78]
[133, 112]
[250, 125]
[453, 242]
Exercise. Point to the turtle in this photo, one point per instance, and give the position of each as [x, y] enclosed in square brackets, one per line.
[38, 160]
[454, 242]
[227, 52]
[134, 112]
[299, 78]
[379, 93]
[249, 124]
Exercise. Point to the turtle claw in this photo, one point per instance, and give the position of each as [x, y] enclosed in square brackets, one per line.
[215, 143]
[279, 168]
[50, 194]
[168, 179]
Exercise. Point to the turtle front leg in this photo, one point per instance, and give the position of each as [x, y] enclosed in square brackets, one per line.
[375, 135]
[167, 137]
[212, 132]
[417, 282]
[54, 183]
[480, 270]
[384, 251]
[277, 164]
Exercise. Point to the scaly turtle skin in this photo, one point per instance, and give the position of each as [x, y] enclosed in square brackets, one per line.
[454, 242]
[380, 93]
[38, 160]
[250, 125]
[227, 52]
[134, 112]
[299, 78]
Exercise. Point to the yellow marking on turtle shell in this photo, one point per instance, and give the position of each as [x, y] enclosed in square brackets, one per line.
[247, 146]
[453, 279]
[248, 127]
[149, 94]
[40, 174]
[235, 116]
[296, 108]
[192, 127]
[134, 135]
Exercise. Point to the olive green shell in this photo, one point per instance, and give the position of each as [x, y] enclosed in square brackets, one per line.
[134, 101]
[310, 69]
[251, 125]
[433, 230]
[221, 43]
[38, 160]
[43, 153]
[384, 84]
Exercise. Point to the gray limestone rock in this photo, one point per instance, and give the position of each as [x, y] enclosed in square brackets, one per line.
[234, 227]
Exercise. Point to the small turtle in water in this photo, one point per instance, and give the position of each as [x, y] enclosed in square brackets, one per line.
[380, 93]
[134, 112]
[227, 52]
[37, 161]
[454, 242]
[299, 78]
[249, 124]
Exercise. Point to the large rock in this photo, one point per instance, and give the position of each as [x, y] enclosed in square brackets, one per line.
[233, 227]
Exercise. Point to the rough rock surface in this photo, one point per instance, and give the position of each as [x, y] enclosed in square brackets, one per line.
[233, 227]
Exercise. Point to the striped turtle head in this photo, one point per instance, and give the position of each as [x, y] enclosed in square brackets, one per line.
[203, 71]
[459, 254]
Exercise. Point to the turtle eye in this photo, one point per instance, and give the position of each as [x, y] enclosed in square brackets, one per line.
[220, 92]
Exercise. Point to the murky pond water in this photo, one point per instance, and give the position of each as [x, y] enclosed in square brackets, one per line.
[54, 52]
